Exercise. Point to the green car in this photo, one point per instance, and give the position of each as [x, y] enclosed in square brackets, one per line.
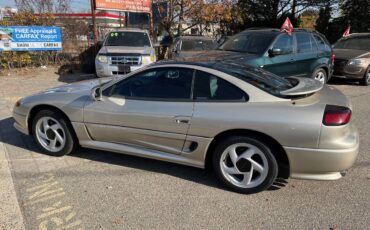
[301, 54]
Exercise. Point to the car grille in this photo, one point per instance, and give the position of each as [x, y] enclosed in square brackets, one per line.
[340, 63]
[125, 60]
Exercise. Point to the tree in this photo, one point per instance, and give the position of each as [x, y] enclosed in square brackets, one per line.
[322, 23]
[272, 13]
[356, 13]
[44, 6]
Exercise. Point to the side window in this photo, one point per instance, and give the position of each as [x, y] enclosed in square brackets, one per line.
[321, 45]
[304, 42]
[285, 44]
[208, 87]
[161, 83]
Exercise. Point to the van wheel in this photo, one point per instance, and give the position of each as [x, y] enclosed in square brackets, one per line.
[244, 164]
[366, 80]
[320, 75]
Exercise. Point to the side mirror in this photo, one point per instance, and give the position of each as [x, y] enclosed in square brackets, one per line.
[96, 94]
[274, 52]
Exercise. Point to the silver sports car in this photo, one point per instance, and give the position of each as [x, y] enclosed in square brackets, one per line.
[248, 124]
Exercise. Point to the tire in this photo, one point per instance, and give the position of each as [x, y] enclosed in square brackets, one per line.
[320, 75]
[366, 79]
[46, 126]
[237, 176]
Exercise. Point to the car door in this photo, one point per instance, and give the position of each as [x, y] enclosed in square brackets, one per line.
[282, 64]
[151, 109]
[215, 102]
[306, 58]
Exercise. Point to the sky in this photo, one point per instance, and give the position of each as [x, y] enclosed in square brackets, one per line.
[77, 5]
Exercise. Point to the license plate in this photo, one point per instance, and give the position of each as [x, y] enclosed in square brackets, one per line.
[124, 68]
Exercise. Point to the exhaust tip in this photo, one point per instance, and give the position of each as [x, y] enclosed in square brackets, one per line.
[343, 173]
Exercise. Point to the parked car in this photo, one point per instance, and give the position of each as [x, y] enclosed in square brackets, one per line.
[249, 124]
[123, 51]
[352, 58]
[302, 54]
[188, 46]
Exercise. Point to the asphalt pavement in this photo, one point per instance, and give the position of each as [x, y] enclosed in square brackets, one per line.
[93, 189]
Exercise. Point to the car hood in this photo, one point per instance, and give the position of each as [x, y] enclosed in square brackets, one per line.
[347, 54]
[82, 87]
[146, 50]
[219, 55]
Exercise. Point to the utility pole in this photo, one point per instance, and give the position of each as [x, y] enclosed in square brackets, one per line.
[92, 2]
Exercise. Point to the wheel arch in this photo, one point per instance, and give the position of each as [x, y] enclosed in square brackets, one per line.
[278, 150]
[33, 112]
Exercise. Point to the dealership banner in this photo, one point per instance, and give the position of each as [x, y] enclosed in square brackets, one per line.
[23, 38]
[124, 5]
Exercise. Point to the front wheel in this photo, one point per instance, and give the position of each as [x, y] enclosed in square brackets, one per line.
[244, 164]
[366, 80]
[320, 75]
[53, 133]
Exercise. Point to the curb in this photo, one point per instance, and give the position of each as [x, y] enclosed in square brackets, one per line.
[10, 212]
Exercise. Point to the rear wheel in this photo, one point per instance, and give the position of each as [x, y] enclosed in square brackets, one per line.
[244, 164]
[53, 133]
[366, 79]
[320, 75]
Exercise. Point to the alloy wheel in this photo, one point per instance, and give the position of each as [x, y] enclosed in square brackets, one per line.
[244, 165]
[50, 134]
[320, 76]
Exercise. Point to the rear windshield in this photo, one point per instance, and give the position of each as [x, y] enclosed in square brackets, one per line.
[356, 43]
[250, 42]
[197, 45]
[262, 79]
[127, 38]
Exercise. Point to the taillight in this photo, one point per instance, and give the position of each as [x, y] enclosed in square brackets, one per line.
[336, 115]
[332, 57]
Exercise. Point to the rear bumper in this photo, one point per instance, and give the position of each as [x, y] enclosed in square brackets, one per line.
[320, 164]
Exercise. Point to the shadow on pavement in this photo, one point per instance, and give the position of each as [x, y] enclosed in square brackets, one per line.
[341, 81]
[11, 136]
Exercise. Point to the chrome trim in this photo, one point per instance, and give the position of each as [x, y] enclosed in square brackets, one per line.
[126, 60]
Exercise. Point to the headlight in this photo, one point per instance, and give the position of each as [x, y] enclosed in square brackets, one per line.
[356, 62]
[102, 59]
[148, 59]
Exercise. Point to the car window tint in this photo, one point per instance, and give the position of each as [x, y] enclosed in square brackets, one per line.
[129, 38]
[161, 83]
[250, 42]
[212, 88]
[321, 44]
[285, 44]
[304, 42]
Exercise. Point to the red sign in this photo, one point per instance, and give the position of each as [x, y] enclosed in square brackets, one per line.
[124, 5]
[287, 26]
[347, 32]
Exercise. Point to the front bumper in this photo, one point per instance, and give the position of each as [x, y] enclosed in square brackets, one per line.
[20, 123]
[109, 70]
[321, 164]
[349, 72]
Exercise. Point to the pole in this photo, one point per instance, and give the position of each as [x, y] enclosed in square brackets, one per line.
[94, 25]
[151, 24]
[126, 18]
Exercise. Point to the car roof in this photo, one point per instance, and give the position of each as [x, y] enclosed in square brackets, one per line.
[130, 30]
[358, 35]
[195, 38]
[277, 31]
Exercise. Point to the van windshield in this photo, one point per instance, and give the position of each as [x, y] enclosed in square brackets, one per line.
[127, 38]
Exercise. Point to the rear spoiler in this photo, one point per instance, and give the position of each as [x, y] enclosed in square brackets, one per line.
[304, 86]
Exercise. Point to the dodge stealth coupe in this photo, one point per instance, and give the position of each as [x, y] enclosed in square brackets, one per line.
[247, 124]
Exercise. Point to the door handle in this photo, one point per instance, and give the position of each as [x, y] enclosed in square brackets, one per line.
[182, 120]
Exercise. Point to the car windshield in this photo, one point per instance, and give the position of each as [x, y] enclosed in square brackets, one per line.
[127, 38]
[260, 78]
[197, 45]
[356, 43]
[250, 42]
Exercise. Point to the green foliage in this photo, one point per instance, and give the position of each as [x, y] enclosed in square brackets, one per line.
[356, 13]
[322, 23]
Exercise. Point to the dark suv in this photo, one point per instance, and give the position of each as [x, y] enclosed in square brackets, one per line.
[302, 54]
